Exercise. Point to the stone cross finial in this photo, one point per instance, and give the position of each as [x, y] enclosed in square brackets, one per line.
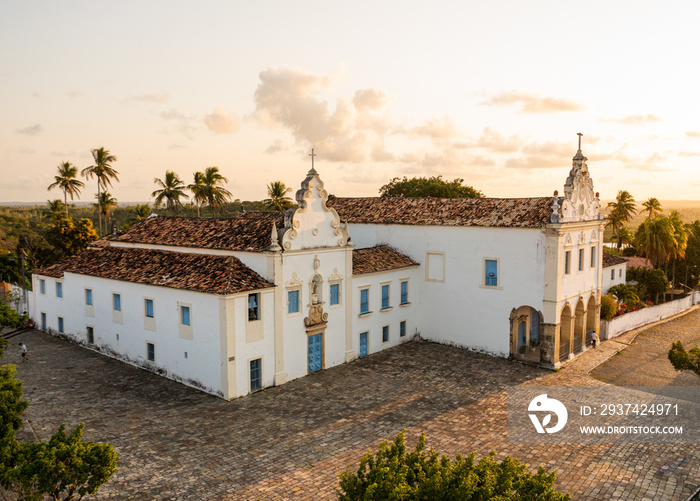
[312, 155]
[579, 140]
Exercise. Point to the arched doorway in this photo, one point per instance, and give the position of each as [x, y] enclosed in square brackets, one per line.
[525, 323]
[590, 319]
[579, 326]
[565, 333]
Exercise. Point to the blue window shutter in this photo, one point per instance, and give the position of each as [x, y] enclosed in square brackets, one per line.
[567, 262]
[88, 296]
[149, 308]
[385, 296]
[364, 301]
[185, 315]
[59, 289]
[402, 328]
[491, 272]
[255, 374]
[335, 294]
[404, 292]
[293, 300]
[385, 334]
[117, 300]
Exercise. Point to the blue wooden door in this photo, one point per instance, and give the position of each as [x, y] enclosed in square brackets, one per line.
[363, 344]
[315, 353]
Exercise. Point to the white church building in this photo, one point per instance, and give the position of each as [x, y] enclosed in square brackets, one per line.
[234, 305]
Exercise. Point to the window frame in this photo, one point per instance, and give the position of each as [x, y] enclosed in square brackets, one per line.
[402, 329]
[291, 290]
[42, 286]
[146, 302]
[89, 297]
[484, 277]
[331, 284]
[43, 320]
[612, 274]
[59, 289]
[567, 262]
[366, 303]
[150, 358]
[594, 257]
[90, 334]
[403, 294]
[385, 305]
[427, 267]
[386, 335]
[250, 374]
[61, 325]
[581, 257]
[258, 315]
[118, 297]
[183, 308]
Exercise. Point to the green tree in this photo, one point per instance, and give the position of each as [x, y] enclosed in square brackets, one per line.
[394, 474]
[653, 207]
[213, 189]
[428, 187]
[655, 239]
[106, 204]
[650, 282]
[683, 360]
[104, 172]
[680, 242]
[621, 211]
[69, 237]
[198, 189]
[278, 200]
[66, 180]
[142, 212]
[171, 190]
[55, 208]
[625, 293]
[608, 307]
[9, 268]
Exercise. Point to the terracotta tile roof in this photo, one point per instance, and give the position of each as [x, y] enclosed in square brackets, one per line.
[248, 231]
[99, 244]
[638, 262]
[379, 258]
[176, 270]
[498, 212]
[610, 260]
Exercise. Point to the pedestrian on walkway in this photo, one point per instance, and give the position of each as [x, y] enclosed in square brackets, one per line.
[594, 339]
[23, 350]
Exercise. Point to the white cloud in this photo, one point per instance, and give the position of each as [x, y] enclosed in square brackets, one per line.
[532, 103]
[634, 119]
[32, 130]
[160, 97]
[222, 121]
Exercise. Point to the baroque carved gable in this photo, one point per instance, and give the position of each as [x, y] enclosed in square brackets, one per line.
[313, 224]
[580, 202]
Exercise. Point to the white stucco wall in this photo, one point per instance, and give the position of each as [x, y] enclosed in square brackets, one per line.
[620, 272]
[624, 323]
[459, 309]
[200, 367]
[373, 322]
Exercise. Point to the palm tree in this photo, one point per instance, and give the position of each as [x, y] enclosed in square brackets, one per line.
[66, 180]
[106, 204]
[198, 190]
[171, 190]
[103, 171]
[655, 238]
[653, 207]
[680, 236]
[214, 192]
[142, 211]
[621, 211]
[278, 200]
[55, 209]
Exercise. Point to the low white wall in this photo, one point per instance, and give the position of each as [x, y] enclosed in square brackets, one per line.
[619, 325]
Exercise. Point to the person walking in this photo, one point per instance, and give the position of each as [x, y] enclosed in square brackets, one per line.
[23, 350]
[594, 339]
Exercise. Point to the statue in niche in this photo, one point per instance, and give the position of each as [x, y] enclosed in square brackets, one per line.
[316, 314]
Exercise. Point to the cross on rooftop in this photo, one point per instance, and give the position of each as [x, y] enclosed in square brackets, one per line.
[579, 141]
[312, 155]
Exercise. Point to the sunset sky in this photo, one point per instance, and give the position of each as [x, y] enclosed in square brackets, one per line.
[492, 92]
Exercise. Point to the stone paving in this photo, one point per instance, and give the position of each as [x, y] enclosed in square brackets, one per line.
[290, 442]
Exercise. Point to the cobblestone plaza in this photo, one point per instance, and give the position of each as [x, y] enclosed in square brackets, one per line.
[290, 442]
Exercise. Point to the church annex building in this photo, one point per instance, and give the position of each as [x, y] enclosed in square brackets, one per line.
[234, 305]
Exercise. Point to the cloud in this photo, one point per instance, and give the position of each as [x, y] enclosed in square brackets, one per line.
[547, 155]
[437, 129]
[222, 121]
[160, 97]
[688, 154]
[351, 131]
[496, 142]
[633, 119]
[74, 93]
[693, 134]
[275, 147]
[32, 130]
[175, 146]
[649, 164]
[532, 103]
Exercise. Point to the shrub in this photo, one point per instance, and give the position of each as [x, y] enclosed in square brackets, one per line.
[625, 293]
[10, 318]
[608, 307]
[394, 474]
